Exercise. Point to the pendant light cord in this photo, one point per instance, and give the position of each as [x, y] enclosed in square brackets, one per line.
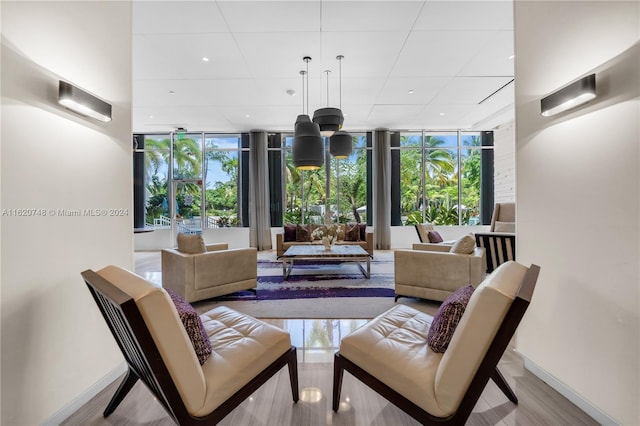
[340, 58]
[307, 59]
[302, 73]
[327, 72]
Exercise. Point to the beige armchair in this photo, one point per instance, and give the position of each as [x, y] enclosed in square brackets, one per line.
[503, 218]
[215, 272]
[431, 271]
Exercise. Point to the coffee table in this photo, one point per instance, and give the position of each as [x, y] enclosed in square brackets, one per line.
[344, 253]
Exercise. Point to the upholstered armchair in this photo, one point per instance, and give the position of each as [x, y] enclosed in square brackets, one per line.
[198, 272]
[500, 241]
[503, 218]
[434, 271]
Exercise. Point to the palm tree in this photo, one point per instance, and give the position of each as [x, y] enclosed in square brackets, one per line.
[439, 164]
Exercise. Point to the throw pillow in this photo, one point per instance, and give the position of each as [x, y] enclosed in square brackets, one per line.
[363, 231]
[464, 245]
[351, 232]
[447, 318]
[303, 233]
[191, 244]
[193, 326]
[289, 233]
[435, 237]
[504, 227]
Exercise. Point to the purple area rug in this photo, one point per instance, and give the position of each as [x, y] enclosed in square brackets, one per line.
[319, 279]
[308, 293]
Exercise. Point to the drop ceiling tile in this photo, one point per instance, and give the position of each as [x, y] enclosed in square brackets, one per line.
[466, 15]
[180, 56]
[391, 115]
[443, 117]
[271, 16]
[469, 90]
[163, 17]
[495, 58]
[367, 15]
[277, 55]
[397, 90]
[438, 53]
[366, 54]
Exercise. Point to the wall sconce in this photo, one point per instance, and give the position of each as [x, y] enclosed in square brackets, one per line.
[571, 96]
[83, 103]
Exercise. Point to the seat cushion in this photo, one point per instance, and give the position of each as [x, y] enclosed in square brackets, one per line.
[509, 227]
[242, 347]
[393, 347]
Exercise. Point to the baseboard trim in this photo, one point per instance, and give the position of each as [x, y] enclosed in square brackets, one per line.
[74, 405]
[597, 414]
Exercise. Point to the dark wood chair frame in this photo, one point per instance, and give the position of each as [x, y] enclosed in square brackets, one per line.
[499, 244]
[487, 369]
[145, 362]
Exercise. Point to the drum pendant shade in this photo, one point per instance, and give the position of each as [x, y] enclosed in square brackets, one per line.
[308, 148]
[341, 144]
[329, 119]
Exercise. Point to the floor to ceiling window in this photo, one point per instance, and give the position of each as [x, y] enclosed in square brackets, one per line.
[336, 192]
[199, 191]
[437, 177]
[445, 178]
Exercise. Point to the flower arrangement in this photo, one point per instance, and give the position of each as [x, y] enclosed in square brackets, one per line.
[328, 233]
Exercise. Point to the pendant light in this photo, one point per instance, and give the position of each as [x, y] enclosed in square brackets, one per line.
[329, 119]
[308, 148]
[341, 143]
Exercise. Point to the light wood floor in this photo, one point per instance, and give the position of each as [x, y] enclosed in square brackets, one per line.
[272, 404]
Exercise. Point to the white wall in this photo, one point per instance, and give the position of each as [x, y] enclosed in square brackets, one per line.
[55, 345]
[578, 197]
[504, 167]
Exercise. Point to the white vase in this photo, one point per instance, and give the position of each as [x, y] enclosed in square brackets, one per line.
[327, 243]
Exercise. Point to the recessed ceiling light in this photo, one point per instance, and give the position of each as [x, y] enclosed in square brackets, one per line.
[291, 92]
[512, 56]
[151, 116]
[411, 91]
[247, 116]
[205, 59]
[442, 113]
[171, 92]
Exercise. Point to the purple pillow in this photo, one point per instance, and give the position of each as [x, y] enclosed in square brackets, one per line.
[193, 325]
[303, 233]
[434, 237]
[351, 232]
[447, 318]
[363, 231]
[289, 233]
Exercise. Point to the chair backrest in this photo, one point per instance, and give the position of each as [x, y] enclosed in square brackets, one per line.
[500, 248]
[503, 218]
[480, 339]
[423, 231]
[148, 330]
